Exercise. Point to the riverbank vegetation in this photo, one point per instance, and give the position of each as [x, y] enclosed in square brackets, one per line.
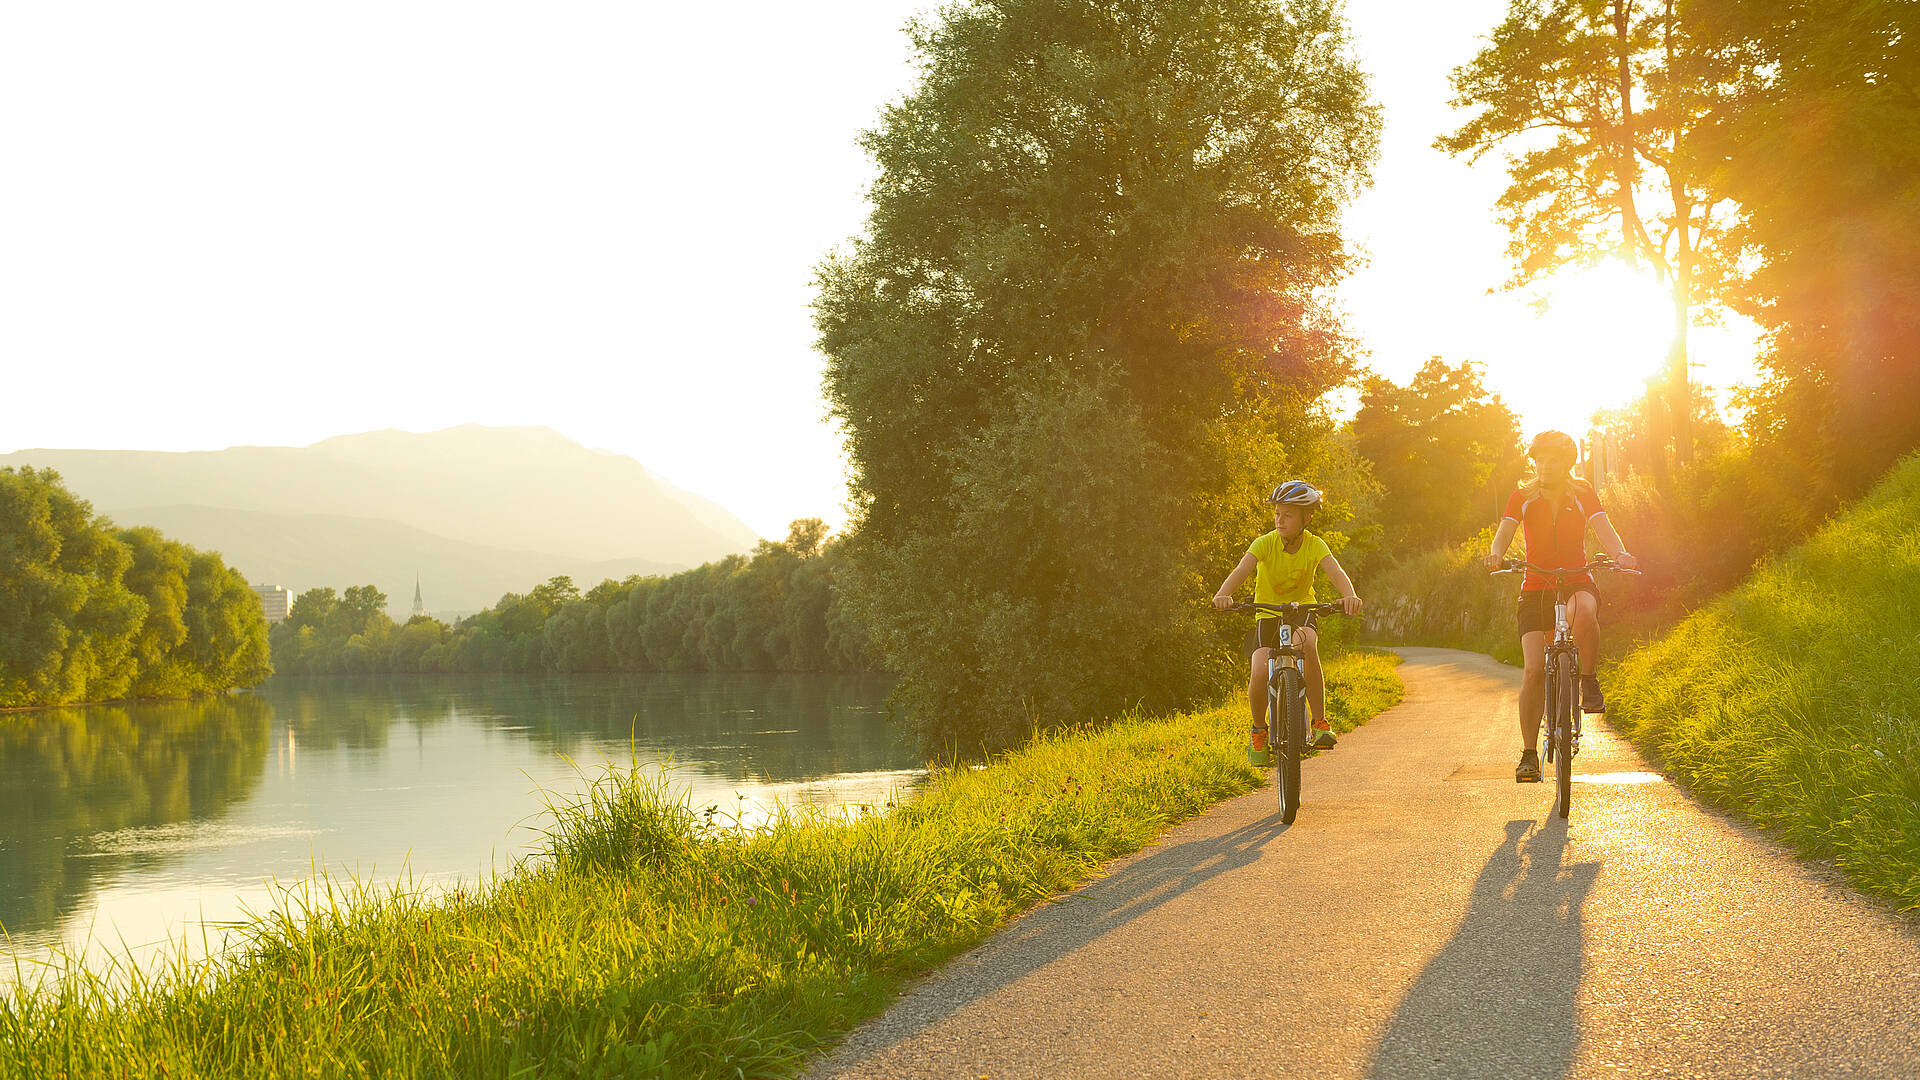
[93, 612]
[654, 940]
[776, 610]
[1790, 699]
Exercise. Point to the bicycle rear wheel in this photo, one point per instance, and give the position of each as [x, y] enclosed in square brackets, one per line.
[1292, 740]
[1561, 708]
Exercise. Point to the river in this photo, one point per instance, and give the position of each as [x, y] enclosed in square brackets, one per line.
[127, 830]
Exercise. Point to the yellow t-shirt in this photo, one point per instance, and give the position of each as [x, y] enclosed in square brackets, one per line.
[1284, 578]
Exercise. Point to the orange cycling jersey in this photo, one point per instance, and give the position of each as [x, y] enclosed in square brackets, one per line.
[1556, 530]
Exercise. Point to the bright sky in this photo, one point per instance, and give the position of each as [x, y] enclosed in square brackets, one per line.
[236, 223]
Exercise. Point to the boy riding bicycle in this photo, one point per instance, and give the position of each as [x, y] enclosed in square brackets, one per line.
[1284, 561]
[1556, 510]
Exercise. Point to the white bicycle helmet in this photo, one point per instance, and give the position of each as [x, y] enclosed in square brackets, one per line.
[1295, 493]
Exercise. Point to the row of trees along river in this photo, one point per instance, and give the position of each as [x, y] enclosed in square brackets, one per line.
[1085, 329]
[776, 610]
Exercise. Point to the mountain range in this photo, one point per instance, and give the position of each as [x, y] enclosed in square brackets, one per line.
[472, 511]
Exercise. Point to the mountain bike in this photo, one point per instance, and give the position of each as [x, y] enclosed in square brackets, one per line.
[1563, 667]
[1287, 701]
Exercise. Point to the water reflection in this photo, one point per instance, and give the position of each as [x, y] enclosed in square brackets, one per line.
[120, 827]
[73, 779]
[749, 727]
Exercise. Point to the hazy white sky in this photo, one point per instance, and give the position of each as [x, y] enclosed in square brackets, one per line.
[241, 223]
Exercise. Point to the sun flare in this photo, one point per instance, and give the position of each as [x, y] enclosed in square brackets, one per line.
[1600, 333]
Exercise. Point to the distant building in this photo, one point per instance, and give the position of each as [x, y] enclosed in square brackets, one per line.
[419, 605]
[1602, 462]
[275, 601]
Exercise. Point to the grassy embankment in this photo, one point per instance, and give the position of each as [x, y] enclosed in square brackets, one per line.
[653, 943]
[1791, 699]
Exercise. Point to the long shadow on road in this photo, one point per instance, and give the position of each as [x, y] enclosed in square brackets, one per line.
[1499, 1000]
[1049, 933]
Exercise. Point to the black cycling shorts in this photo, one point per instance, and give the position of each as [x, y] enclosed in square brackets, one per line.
[1265, 633]
[1536, 608]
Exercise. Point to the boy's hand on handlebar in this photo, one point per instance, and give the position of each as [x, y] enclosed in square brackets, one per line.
[1221, 602]
[1350, 605]
[1491, 562]
[1627, 561]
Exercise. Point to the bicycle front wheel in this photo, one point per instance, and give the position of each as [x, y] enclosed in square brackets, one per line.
[1561, 711]
[1292, 733]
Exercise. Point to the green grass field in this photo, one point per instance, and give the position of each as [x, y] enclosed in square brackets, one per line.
[655, 941]
[1792, 699]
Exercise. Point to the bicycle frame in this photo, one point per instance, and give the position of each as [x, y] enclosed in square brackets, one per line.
[1286, 720]
[1562, 651]
[1293, 658]
[1279, 658]
[1561, 712]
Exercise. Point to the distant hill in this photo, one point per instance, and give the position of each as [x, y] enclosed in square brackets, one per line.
[474, 510]
[304, 550]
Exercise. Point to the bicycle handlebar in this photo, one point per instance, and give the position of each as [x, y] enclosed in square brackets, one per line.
[1285, 609]
[1509, 566]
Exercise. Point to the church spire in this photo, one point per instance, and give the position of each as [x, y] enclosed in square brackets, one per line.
[419, 605]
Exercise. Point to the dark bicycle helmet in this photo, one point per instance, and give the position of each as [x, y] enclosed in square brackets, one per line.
[1295, 493]
[1553, 440]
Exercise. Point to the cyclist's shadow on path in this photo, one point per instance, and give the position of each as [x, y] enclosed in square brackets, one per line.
[1049, 932]
[1499, 999]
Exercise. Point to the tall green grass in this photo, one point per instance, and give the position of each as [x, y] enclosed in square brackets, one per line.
[655, 940]
[1795, 698]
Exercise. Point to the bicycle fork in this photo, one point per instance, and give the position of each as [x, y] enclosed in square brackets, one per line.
[1275, 666]
[1571, 661]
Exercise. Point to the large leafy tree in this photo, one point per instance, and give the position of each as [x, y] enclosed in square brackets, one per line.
[67, 618]
[1601, 104]
[92, 613]
[1080, 336]
[1822, 150]
[1440, 447]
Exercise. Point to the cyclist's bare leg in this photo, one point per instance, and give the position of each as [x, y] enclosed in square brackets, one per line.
[1309, 641]
[1257, 687]
[1583, 611]
[1533, 687]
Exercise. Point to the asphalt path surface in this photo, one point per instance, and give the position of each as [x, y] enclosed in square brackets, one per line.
[1425, 916]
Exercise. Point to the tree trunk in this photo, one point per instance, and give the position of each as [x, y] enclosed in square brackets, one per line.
[1625, 166]
[1679, 386]
[1679, 379]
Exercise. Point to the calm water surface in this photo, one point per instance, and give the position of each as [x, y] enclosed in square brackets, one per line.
[125, 828]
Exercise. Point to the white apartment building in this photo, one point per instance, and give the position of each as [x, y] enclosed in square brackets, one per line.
[275, 600]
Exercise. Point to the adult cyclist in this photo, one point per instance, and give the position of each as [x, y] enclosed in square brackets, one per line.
[1556, 509]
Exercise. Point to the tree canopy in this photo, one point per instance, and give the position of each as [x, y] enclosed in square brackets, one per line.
[90, 612]
[1601, 104]
[1821, 148]
[1444, 449]
[1081, 336]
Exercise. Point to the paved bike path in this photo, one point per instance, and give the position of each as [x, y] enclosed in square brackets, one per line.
[1427, 917]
